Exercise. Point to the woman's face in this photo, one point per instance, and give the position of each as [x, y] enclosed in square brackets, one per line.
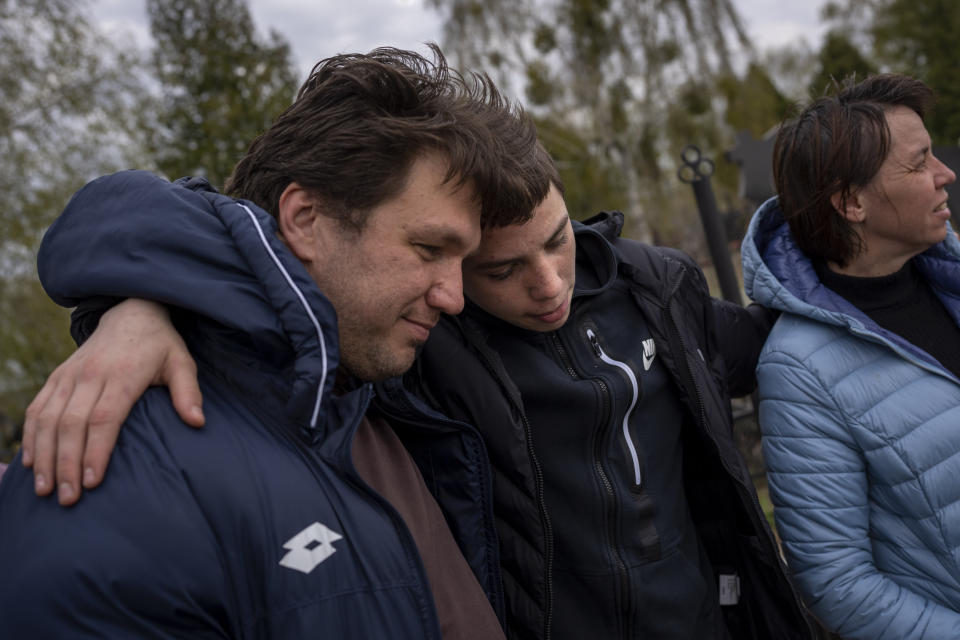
[524, 273]
[904, 208]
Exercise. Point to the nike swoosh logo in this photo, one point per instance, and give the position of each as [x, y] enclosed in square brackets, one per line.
[649, 353]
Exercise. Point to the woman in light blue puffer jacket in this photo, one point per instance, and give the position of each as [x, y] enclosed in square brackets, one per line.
[858, 382]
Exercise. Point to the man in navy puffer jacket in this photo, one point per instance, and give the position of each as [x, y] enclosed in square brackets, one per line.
[302, 508]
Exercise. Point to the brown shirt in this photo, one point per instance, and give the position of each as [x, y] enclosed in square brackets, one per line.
[384, 463]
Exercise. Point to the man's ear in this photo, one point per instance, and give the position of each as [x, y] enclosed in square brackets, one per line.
[296, 216]
[851, 209]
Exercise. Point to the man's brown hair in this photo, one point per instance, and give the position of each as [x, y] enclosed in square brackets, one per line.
[361, 120]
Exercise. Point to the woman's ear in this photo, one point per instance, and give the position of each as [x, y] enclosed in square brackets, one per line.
[296, 216]
[850, 208]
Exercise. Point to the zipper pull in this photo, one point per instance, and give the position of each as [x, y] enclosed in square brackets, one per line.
[594, 343]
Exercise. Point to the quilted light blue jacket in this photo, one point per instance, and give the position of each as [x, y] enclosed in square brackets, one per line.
[862, 444]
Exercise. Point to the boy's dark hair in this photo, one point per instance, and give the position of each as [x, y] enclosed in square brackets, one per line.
[836, 146]
[361, 120]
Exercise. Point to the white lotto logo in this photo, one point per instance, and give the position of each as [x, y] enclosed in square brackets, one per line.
[309, 548]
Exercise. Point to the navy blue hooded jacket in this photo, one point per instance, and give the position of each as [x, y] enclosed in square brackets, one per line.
[257, 525]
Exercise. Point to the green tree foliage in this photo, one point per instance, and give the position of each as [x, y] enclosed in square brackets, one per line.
[920, 37]
[34, 339]
[65, 117]
[64, 114]
[221, 85]
[619, 87]
[837, 59]
[916, 37]
[74, 106]
[582, 177]
[754, 104]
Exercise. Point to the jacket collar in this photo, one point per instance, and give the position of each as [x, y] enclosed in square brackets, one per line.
[596, 259]
[779, 275]
[280, 308]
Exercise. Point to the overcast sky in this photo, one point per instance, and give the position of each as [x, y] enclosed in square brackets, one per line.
[317, 29]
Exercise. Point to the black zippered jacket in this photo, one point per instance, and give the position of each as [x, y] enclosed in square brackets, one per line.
[622, 503]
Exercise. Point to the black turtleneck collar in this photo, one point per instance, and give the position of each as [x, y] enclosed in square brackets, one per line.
[870, 294]
[905, 304]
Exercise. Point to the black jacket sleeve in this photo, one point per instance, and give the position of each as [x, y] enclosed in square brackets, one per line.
[741, 332]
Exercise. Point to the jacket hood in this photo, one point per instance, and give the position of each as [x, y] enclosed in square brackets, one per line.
[777, 274]
[133, 234]
[596, 259]
[780, 276]
[602, 256]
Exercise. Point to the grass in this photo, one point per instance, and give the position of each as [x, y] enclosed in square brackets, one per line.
[764, 494]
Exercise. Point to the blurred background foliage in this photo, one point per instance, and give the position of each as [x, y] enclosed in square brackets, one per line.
[618, 88]
[74, 105]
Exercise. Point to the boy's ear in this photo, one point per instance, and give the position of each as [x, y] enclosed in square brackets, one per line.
[296, 216]
[852, 209]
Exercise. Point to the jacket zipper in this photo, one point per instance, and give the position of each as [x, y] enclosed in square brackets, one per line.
[541, 500]
[407, 541]
[682, 354]
[598, 452]
[625, 426]
[397, 406]
[541, 504]
[564, 358]
[548, 528]
[605, 409]
[612, 542]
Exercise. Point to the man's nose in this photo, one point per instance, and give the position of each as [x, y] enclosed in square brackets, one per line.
[446, 292]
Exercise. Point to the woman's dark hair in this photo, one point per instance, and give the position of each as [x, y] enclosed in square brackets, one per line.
[361, 120]
[836, 146]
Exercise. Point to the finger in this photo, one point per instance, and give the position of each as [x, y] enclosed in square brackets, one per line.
[181, 377]
[106, 420]
[27, 443]
[70, 444]
[96, 457]
[45, 437]
[72, 433]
